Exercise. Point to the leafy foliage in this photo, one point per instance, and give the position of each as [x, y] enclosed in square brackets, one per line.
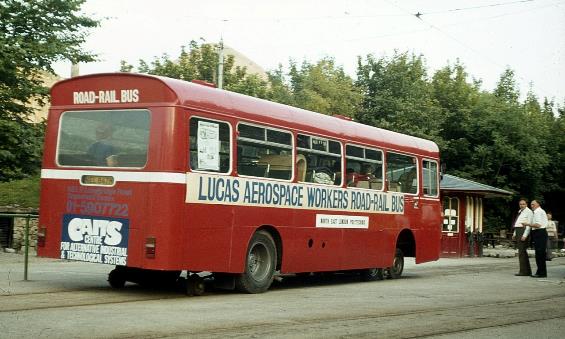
[323, 87]
[20, 193]
[33, 34]
[200, 61]
[20, 149]
[397, 96]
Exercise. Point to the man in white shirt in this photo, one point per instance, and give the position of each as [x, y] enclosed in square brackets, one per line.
[539, 237]
[521, 234]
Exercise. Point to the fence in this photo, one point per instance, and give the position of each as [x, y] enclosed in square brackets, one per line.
[27, 217]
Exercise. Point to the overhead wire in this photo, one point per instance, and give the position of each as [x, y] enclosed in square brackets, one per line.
[477, 7]
[419, 15]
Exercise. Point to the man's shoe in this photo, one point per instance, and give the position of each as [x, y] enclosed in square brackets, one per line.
[521, 275]
[539, 276]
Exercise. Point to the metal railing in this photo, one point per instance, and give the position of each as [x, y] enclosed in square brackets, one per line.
[27, 217]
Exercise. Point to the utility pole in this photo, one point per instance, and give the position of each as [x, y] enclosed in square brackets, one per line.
[221, 64]
[74, 69]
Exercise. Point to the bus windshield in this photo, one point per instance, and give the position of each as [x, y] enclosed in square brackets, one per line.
[104, 138]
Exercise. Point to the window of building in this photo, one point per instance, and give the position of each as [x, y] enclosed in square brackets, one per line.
[450, 215]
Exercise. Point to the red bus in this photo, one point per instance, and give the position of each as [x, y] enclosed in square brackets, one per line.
[158, 176]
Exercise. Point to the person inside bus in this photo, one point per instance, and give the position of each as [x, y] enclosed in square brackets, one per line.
[102, 151]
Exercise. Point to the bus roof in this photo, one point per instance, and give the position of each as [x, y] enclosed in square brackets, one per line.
[162, 90]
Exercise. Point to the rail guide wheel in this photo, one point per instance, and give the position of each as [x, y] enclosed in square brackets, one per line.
[117, 278]
[195, 285]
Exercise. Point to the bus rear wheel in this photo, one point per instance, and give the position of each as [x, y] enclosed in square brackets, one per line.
[395, 271]
[372, 274]
[260, 264]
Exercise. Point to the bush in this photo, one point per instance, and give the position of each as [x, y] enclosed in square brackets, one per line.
[20, 193]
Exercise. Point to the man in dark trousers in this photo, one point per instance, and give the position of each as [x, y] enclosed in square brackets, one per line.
[521, 234]
[539, 237]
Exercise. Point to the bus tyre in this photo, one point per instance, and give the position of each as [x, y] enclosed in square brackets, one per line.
[395, 271]
[260, 264]
[117, 278]
[372, 274]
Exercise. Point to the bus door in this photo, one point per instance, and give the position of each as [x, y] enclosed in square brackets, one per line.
[429, 206]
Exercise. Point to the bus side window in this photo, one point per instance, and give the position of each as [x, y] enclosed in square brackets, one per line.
[429, 177]
[323, 160]
[210, 148]
[301, 167]
[264, 152]
[402, 175]
[364, 167]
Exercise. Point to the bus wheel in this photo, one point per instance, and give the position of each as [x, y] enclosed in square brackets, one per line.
[259, 264]
[372, 274]
[117, 278]
[395, 271]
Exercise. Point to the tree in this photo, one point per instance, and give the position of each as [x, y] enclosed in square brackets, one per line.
[324, 87]
[279, 87]
[455, 97]
[33, 34]
[506, 88]
[200, 62]
[398, 96]
[20, 149]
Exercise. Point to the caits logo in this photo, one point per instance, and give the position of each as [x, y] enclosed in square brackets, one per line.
[95, 231]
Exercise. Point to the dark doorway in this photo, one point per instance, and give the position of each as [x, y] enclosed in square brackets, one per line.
[6, 232]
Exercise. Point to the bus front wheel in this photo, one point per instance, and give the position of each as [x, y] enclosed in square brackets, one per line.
[395, 271]
[260, 264]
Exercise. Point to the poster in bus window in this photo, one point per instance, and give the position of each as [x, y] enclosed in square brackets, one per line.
[208, 144]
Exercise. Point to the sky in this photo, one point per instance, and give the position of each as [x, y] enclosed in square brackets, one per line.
[486, 36]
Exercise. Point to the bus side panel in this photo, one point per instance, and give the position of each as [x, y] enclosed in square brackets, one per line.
[310, 249]
[206, 246]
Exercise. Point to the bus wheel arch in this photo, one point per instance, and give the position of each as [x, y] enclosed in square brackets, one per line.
[406, 243]
[260, 264]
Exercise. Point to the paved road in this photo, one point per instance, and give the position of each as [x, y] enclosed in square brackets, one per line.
[463, 298]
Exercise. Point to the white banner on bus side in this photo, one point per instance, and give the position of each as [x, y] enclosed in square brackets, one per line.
[227, 190]
[341, 221]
